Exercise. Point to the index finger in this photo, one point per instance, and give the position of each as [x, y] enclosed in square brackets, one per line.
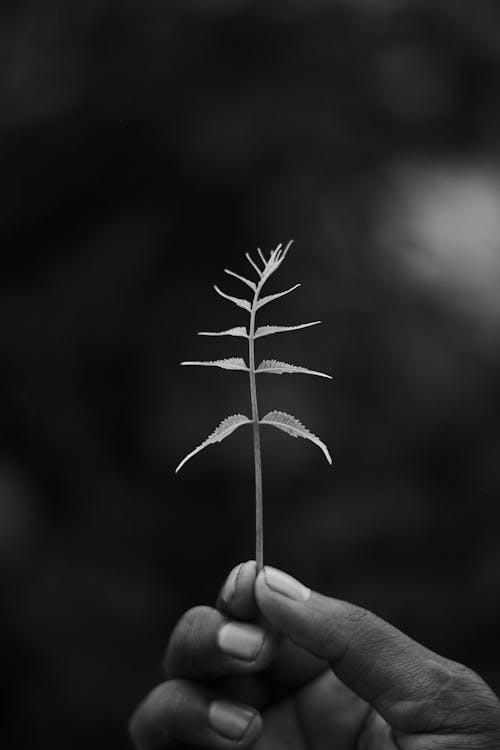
[237, 595]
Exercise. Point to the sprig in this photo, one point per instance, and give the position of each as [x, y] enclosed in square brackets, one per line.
[264, 268]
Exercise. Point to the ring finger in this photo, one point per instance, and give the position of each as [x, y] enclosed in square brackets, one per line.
[179, 711]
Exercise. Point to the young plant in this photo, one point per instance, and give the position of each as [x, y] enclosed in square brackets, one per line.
[278, 419]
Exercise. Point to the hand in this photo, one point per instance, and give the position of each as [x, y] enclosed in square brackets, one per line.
[278, 667]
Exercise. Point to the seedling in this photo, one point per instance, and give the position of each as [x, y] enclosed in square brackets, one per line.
[279, 419]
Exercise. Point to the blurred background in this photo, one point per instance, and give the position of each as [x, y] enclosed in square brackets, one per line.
[146, 146]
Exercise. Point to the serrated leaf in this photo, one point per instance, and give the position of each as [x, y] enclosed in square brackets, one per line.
[238, 331]
[271, 297]
[268, 330]
[226, 427]
[275, 367]
[244, 303]
[231, 363]
[293, 427]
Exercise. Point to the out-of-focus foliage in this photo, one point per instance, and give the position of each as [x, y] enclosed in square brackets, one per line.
[145, 146]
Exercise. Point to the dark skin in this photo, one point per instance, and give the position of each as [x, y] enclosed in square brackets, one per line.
[275, 666]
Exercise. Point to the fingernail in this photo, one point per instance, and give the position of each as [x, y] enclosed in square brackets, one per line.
[284, 584]
[229, 720]
[230, 586]
[241, 640]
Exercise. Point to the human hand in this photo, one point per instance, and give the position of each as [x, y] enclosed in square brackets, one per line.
[278, 667]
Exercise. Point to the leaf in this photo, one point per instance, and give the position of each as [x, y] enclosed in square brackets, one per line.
[249, 283]
[244, 303]
[231, 363]
[253, 264]
[226, 427]
[239, 331]
[293, 427]
[278, 368]
[270, 297]
[268, 330]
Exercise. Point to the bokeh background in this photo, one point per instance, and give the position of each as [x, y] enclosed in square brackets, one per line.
[144, 147]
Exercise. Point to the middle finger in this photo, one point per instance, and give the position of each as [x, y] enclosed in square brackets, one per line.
[206, 645]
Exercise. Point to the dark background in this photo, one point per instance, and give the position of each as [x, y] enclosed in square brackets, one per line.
[144, 147]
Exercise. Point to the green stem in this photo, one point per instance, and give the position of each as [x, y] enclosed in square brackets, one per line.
[259, 520]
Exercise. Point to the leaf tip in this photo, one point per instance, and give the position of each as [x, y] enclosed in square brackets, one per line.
[180, 465]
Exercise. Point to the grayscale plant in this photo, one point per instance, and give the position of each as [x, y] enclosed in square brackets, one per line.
[278, 419]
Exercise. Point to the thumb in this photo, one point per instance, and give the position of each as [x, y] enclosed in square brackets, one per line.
[411, 687]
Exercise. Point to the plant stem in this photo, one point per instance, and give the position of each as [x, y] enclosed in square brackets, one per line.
[259, 520]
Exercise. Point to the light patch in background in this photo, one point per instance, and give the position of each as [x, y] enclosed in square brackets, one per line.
[441, 223]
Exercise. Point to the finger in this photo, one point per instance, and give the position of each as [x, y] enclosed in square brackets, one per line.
[180, 711]
[237, 595]
[206, 645]
[400, 678]
[292, 666]
[327, 708]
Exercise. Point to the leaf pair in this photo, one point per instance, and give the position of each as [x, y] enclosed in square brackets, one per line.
[245, 304]
[271, 366]
[261, 331]
[279, 419]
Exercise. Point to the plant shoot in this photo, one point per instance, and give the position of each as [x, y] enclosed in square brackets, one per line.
[263, 268]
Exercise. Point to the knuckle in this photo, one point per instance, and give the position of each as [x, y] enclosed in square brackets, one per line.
[190, 627]
[186, 633]
[144, 719]
[194, 617]
[167, 696]
[134, 730]
[344, 633]
[456, 684]
[461, 699]
[161, 716]
[192, 643]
